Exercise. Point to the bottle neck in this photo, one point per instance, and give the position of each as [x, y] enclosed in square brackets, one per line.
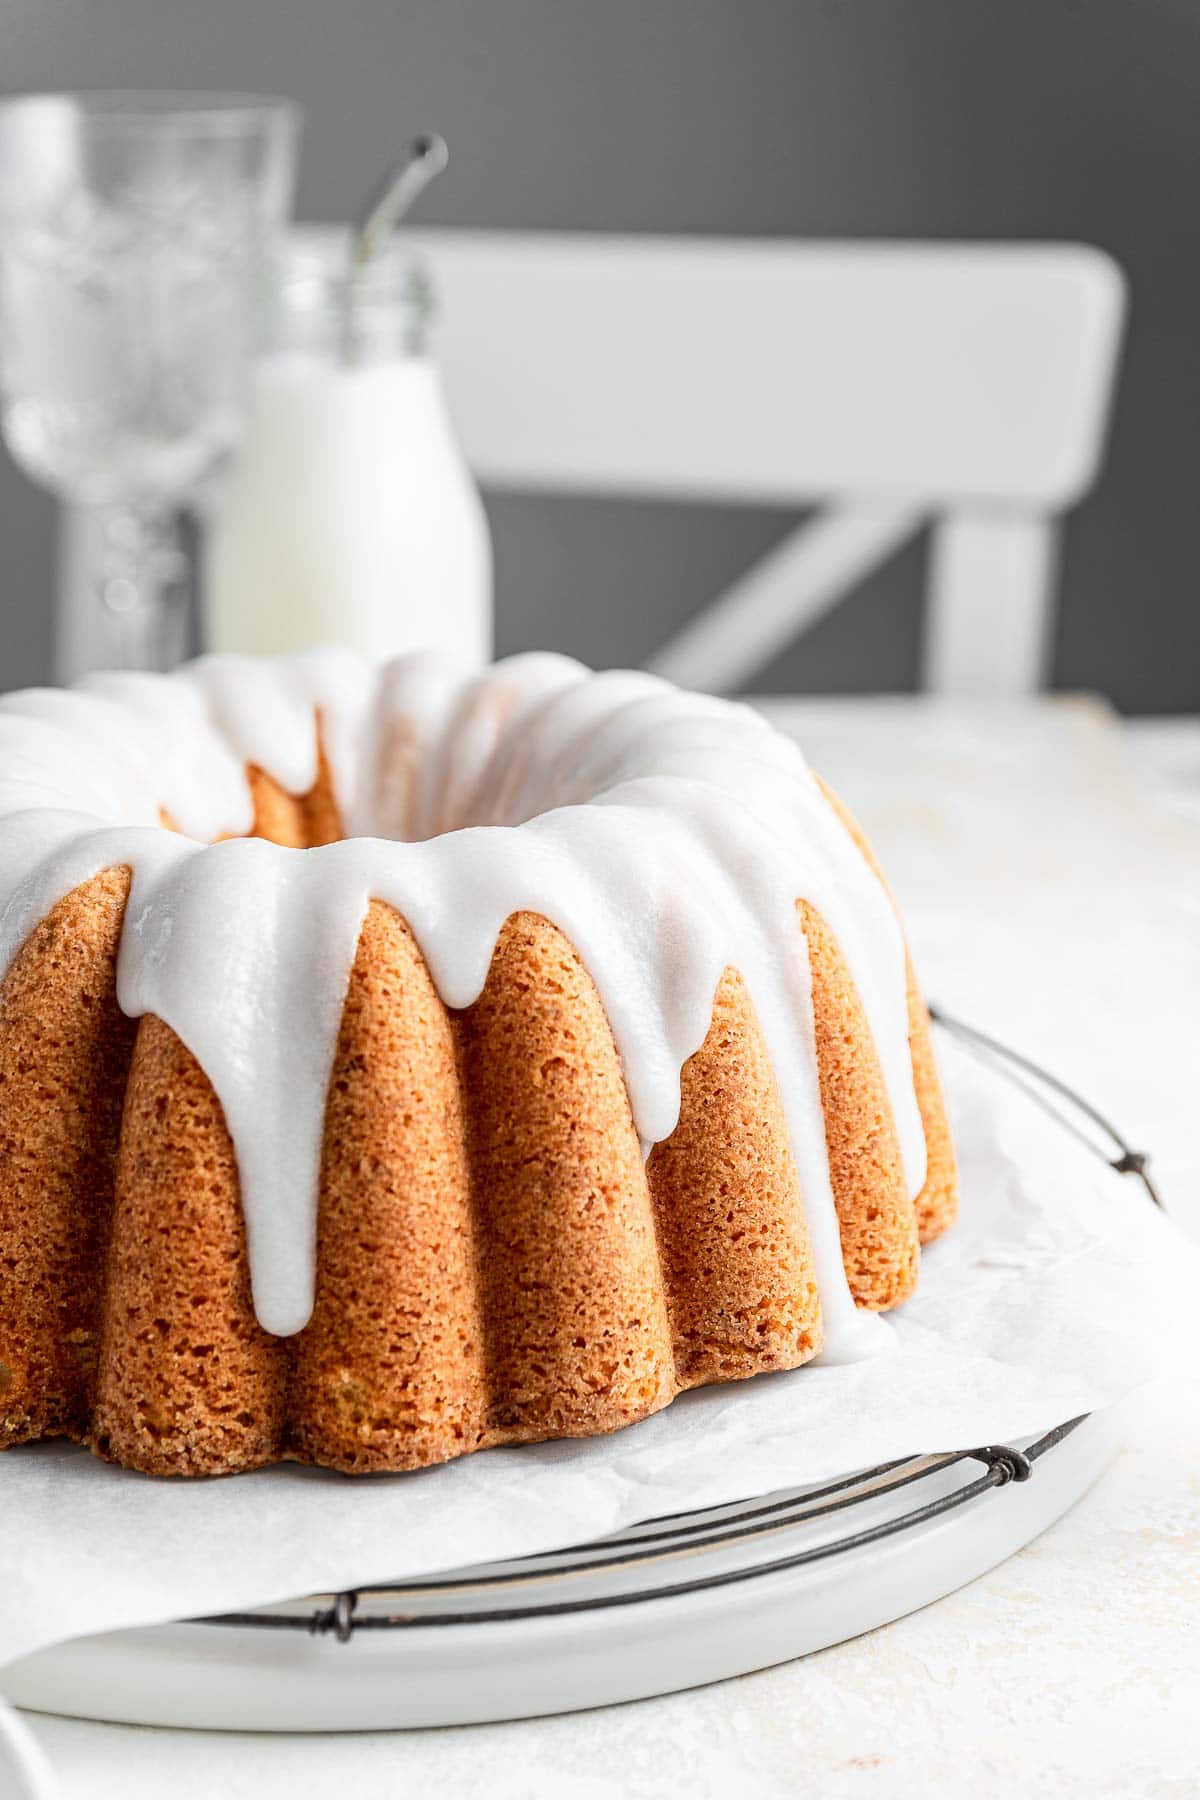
[382, 314]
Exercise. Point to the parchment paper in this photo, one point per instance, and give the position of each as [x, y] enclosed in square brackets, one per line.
[1060, 1290]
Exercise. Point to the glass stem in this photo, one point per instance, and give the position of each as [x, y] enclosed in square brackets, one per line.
[142, 582]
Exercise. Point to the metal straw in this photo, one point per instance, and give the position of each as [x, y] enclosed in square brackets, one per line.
[402, 185]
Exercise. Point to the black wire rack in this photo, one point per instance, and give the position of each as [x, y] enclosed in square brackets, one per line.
[657, 1559]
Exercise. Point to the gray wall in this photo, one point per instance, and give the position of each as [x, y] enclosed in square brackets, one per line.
[942, 118]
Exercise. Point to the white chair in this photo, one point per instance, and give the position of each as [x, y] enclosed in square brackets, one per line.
[891, 385]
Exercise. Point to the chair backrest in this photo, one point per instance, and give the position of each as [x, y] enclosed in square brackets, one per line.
[891, 385]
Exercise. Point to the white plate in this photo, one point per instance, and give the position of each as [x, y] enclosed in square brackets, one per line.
[670, 1604]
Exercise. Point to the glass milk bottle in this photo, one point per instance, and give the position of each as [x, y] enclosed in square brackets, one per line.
[349, 515]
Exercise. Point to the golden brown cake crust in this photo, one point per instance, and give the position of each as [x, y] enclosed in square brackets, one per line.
[577, 1339]
[876, 1218]
[64, 1054]
[937, 1203]
[189, 1382]
[733, 1239]
[388, 1374]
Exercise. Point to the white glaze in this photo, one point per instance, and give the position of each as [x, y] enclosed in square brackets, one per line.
[667, 834]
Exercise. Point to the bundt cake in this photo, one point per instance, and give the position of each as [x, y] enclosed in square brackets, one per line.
[398, 1062]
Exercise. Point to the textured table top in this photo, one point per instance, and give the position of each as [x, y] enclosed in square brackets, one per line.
[1048, 863]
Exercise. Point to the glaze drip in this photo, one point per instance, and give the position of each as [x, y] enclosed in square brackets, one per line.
[668, 835]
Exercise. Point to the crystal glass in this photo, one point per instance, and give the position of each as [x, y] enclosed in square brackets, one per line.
[133, 232]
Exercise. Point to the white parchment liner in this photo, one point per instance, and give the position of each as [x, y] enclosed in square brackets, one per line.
[1060, 1291]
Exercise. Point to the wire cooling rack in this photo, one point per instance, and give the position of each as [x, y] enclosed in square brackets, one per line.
[714, 1547]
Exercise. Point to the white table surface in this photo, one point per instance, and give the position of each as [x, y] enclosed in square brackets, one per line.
[1048, 863]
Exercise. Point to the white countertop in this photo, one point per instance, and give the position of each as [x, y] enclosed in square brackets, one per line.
[1048, 863]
